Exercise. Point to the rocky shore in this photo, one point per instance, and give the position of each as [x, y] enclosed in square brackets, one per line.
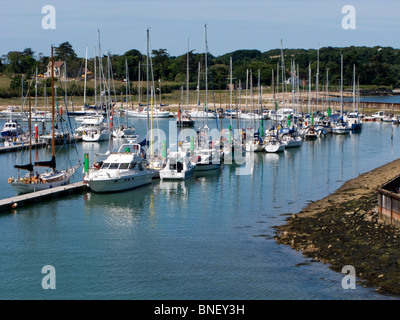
[344, 229]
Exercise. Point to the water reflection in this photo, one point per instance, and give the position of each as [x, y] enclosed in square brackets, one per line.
[122, 209]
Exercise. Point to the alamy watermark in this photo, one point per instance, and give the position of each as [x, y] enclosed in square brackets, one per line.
[49, 20]
[349, 20]
[349, 281]
[49, 280]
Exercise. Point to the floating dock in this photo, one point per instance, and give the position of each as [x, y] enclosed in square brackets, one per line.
[22, 146]
[38, 196]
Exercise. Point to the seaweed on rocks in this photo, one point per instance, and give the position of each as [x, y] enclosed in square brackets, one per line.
[345, 230]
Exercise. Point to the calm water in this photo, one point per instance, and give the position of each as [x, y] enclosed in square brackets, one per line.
[207, 238]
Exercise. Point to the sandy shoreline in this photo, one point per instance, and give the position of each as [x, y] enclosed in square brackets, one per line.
[343, 229]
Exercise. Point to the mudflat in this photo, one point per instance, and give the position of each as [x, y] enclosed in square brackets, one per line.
[344, 229]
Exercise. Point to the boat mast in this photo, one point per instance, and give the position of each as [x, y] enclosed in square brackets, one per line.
[100, 71]
[354, 87]
[187, 77]
[230, 88]
[317, 79]
[247, 88]
[198, 86]
[309, 88]
[30, 125]
[341, 85]
[84, 92]
[147, 74]
[283, 74]
[205, 61]
[36, 85]
[139, 86]
[127, 81]
[95, 77]
[53, 153]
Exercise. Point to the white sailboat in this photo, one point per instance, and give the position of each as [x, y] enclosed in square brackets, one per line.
[184, 118]
[125, 131]
[341, 127]
[274, 144]
[178, 167]
[100, 130]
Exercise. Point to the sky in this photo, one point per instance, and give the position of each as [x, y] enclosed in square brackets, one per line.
[231, 25]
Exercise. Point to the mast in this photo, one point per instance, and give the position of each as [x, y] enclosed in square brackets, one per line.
[354, 88]
[341, 85]
[251, 98]
[198, 86]
[327, 90]
[206, 66]
[283, 74]
[100, 70]
[187, 77]
[84, 92]
[127, 81]
[139, 85]
[53, 154]
[309, 88]
[230, 89]
[247, 87]
[147, 75]
[36, 84]
[317, 79]
[95, 77]
[240, 105]
[66, 95]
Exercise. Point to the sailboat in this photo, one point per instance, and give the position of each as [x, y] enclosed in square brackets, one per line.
[352, 119]
[184, 119]
[179, 166]
[36, 182]
[124, 131]
[99, 129]
[272, 143]
[341, 127]
[255, 143]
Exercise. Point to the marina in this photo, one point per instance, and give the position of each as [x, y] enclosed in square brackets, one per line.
[168, 153]
[224, 216]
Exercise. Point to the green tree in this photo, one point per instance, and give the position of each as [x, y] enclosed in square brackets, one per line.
[65, 52]
[160, 64]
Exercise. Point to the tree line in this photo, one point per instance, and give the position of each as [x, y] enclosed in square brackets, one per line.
[377, 66]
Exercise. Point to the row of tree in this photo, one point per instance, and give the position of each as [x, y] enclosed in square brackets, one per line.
[379, 66]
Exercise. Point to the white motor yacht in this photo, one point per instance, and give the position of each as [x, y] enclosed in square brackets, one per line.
[121, 170]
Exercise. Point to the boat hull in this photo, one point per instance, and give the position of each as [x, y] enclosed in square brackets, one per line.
[121, 183]
[274, 148]
[254, 147]
[94, 137]
[166, 174]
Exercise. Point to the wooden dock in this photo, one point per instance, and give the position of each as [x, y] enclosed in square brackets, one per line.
[38, 196]
[20, 147]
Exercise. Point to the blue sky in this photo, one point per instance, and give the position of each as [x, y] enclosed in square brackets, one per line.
[232, 25]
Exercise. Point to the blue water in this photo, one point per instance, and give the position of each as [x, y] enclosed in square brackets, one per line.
[207, 238]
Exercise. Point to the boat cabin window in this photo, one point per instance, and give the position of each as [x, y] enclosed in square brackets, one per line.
[113, 166]
[140, 166]
[124, 165]
[105, 165]
[133, 165]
